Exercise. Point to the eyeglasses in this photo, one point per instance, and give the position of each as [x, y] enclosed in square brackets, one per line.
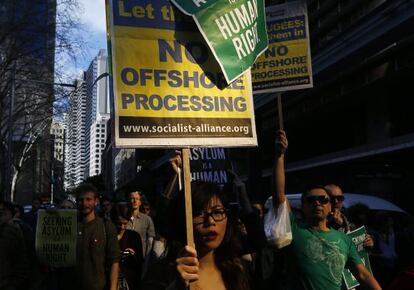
[322, 199]
[218, 215]
[338, 198]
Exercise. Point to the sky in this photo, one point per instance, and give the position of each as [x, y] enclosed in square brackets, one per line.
[93, 30]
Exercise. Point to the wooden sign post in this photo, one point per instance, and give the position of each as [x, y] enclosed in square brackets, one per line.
[187, 195]
[188, 202]
[280, 110]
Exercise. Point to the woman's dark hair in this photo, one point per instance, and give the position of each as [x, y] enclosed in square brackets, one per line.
[356, 212]
[8, 206]
[18, 207]
[120, 210]
[227, 255]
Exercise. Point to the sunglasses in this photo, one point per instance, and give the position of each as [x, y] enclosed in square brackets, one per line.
[322, 199]
[338, 198]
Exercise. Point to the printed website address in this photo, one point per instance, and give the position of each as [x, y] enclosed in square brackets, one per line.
[182, 128]
[153, 127]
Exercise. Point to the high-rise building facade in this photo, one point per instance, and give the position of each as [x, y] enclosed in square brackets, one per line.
[86, 124]
[97, 112]
[75, 139]
[57, 132]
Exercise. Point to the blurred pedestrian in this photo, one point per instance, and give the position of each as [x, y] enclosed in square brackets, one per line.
[359, 215]
[130, 245]
[404, 247]
[31, 217]
[13, 254]
[384, 256]
[106, 207]
[146, 208]
[141, 223]
[67, 204]
[98, 251]
[18, 212]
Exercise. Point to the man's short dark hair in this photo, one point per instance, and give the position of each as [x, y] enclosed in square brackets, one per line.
[312, 187]
[19, 207]
[86, 187]
[8, 206]
[136, 191]
[105, 198]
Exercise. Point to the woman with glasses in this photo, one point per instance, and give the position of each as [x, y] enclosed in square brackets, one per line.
[215, 262]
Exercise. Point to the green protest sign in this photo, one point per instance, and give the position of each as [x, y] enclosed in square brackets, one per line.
[56, 236]
[358, 237]
[235, 31]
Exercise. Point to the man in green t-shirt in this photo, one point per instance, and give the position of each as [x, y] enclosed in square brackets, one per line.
[318, 254]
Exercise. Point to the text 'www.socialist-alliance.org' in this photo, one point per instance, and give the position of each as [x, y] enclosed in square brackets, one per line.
[188, 128]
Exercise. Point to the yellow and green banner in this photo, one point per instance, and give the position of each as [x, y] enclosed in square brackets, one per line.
[168, 89]
[56, 236]
[235, 31]
[287, 64]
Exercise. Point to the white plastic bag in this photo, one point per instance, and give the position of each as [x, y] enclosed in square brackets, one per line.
[277, 227]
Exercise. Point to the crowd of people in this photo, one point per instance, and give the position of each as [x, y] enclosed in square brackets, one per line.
[132, 244]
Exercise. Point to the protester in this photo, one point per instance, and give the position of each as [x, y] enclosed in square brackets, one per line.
[254, 242]
[141, 223]
[67, 204]
[31, 217]
[146, 208]
[404, 246]
[130, 245]
[337, 219]
[317, 254]
[106, 206]
[18, 212]
[13, 259]
[97, 246]
[260, 209]
[359, 215]
[384, 256]
[215, 262]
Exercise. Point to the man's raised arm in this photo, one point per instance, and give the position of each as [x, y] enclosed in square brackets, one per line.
[279, 194]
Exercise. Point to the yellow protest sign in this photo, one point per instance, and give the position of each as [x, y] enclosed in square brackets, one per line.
[56, 236]
[286, 65]
[168, 89]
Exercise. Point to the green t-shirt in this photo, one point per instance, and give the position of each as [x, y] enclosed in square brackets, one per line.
[318, 258]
